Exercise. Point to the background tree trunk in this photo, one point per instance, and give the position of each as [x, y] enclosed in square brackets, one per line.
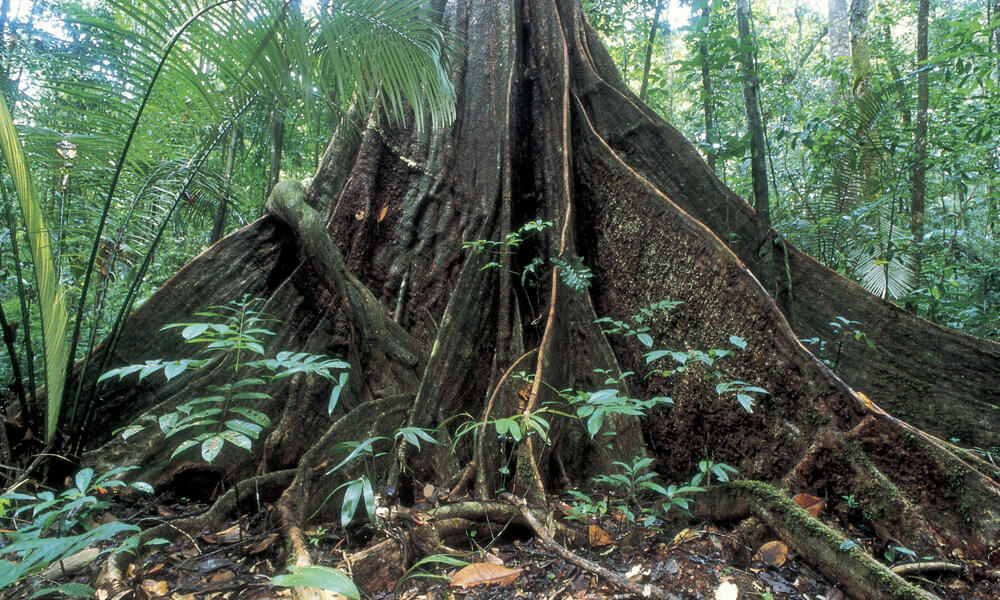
[219, 222]
[706, 86]
[840, 43]
[368, 264]
[650, 40]
[758, 150]
[919, 185]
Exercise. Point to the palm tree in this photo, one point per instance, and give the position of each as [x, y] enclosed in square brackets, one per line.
[136, 97]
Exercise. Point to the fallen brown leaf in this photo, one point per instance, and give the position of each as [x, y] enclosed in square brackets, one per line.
[772, 553]
[154, 588]
[810, 503]
[221, 576]
[226, 536]
[598, 537]
[686, 535]
[264, 544]
[484, 574]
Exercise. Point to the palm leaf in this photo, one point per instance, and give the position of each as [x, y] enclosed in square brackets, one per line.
[51, 297]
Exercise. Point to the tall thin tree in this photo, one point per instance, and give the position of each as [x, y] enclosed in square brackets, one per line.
[758, 149]
[650, 42]
[706, 84]
[840, 43]
[919, 182]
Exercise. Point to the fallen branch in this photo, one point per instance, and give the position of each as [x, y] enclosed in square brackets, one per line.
[824, 548]
[918, 568]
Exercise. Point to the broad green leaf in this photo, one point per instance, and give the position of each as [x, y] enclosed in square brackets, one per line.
[192, 331]
[250, 429]
[254, 415]
[595, 422]
[237, 439]
[174, 369]
[83, 479]
[69, 590]
[182, 447]
[168, 421]
[142, 486]
[211, 447]
[645, 339]
[149, 368]
[369, 496]
[353, 491]
[319, 577]
[656, 355]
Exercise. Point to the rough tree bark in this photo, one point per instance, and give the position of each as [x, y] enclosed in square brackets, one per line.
[368, 264]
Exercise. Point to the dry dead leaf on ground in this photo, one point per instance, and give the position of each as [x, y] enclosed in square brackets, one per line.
[264, 544]
[772, 553]
[812, 504]
[484, 574]
[226, 536]
[598, 537]
[154, 588]
[221, 576]
[686, 535]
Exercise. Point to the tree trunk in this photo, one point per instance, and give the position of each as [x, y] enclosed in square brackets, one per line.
[219, 223]
[706, 86]
[755, 125]
[840, 43]
[861, 62]
[368, 264]
[919, 185]
[277, 139]
[994, 214]
[650, 41]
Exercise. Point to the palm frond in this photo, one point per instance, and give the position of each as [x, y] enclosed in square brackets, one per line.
[892, 277]
[51, 296]
[397, 45]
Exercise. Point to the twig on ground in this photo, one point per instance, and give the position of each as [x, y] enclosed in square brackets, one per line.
[917, 568]
[647, 590]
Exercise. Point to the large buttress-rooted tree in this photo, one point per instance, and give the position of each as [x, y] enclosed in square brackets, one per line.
[368, 264]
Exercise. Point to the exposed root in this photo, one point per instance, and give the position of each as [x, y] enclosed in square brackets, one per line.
[644, 590]
[481, 439]
[861, 575]
[287, 202]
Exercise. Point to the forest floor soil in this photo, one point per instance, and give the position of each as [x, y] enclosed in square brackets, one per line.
[689, 560]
